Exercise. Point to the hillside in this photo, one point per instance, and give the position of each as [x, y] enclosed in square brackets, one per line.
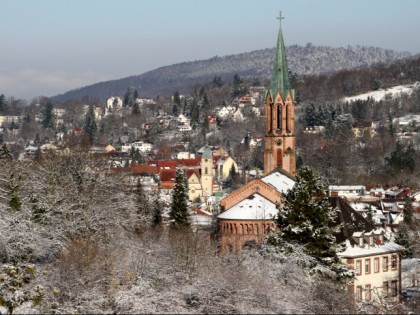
[302, 60]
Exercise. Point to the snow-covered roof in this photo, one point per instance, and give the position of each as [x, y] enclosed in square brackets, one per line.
[255, 207]
[362, 206]
[346, 187]
[279, 181]
[356, 251]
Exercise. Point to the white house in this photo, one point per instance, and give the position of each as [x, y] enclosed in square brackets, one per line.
[376, 265]
[346, 190]
[143, 147]
[225, 112]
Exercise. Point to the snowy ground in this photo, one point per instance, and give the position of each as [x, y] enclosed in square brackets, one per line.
[380, 94]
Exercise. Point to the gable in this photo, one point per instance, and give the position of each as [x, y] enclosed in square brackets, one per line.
[254, 186]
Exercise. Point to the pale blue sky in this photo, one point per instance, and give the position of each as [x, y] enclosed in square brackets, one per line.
[48, 47]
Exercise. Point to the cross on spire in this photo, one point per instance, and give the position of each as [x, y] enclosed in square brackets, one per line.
[280, 18]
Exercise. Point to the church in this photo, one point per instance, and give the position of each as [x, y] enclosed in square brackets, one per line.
[247, 214]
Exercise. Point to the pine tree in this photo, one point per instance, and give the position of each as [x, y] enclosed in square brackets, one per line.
[156, 211]
[48, 116]
[2, 102]
[90, 127]
[15, 201]
[306, 216]
[179, 208]
[5, 153]
[406, 235]
[136, 109]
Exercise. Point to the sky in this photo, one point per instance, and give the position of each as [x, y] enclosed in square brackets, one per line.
[48, 47]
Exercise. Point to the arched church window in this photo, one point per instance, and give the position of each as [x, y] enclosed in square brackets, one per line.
[279, 158]
[279, 117]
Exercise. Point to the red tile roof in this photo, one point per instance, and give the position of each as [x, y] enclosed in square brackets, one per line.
[190, 162]
[167, 175]
[144, 169]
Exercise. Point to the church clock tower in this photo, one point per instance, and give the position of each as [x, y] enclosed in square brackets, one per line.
[280, 142]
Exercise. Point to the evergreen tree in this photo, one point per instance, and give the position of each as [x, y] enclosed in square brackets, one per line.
[217, 81]
[37, 141]
[177, 99]
[156, 211]
[306, 216]
[15, 201]
[406, 238]
[5, 153]
[407, 235]
[48, 116]
[408, 212]
[175, 110]
[136, 109]
[141, 197]
[402, 158]
[135, 96]
[2, 102]
[179, 214]
[90, 127]
[127, 97]
[238, 87]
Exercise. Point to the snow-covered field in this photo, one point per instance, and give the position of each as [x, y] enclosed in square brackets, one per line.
[380, 94]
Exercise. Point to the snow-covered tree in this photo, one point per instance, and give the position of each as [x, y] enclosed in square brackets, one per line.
[179, 208]
[156, 211]
[306, 216]
[90, 127]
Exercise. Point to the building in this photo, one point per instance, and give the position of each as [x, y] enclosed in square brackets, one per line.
[280, 143]
[248, 213]
[377, 267]
[346, 190]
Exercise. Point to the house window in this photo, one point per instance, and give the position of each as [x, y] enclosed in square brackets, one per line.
[367, 292]
[394, 288]
[358, 267]
[385, 289]
[394, 262]
[359, 292]
[367, 266]
[376, 264]
[385, 263]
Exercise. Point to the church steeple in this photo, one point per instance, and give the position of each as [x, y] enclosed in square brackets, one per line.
[280, 74]
[279, 140]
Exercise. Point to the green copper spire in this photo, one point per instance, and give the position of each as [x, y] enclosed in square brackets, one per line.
[280, 75]
[207, 154]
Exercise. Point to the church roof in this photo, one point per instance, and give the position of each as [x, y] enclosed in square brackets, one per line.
[279, 181]
[255, 207]
[280, 74]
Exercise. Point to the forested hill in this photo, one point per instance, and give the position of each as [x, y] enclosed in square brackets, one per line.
[181, 77]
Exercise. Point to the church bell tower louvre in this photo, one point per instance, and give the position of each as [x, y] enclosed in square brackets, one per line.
[280, 142]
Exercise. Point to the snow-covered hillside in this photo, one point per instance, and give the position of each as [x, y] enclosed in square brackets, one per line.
[380, 94]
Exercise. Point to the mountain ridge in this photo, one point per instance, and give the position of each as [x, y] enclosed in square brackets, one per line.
[303, 60]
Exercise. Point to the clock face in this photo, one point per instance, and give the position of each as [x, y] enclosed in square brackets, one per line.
[278, 141]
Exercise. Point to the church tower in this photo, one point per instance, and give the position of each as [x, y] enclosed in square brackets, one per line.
[207, 172]
[280, 142]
